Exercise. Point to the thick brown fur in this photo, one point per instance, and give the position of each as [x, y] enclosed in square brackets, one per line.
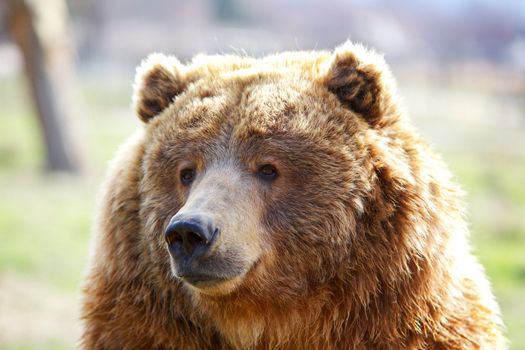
[359, 243]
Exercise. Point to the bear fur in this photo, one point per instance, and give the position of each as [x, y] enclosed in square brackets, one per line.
[339, 227]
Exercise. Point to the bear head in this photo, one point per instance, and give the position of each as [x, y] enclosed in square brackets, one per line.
[255, 170]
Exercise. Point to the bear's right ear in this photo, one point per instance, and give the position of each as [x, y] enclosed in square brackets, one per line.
[158, 80]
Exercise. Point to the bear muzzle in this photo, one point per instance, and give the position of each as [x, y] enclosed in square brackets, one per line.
[192, 243]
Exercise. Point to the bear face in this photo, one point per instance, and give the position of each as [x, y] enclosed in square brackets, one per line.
[281, 203]
[244, 172]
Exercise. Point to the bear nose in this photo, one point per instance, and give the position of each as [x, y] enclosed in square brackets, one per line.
[188, 237]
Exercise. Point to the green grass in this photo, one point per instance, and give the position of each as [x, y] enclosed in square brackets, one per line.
[43, 224]
[51, 344]
[496, 198]
[45, 220]
[504, 260]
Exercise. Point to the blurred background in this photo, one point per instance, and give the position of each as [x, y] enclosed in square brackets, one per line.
[66, 72]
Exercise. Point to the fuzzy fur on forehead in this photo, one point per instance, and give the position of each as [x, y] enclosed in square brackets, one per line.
[358, 77]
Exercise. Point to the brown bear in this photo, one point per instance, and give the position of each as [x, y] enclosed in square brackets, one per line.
[281, 203]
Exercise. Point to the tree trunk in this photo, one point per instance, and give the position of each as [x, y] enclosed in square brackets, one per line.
[60, 153]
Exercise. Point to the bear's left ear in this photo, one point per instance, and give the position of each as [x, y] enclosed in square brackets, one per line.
[362, 82]
[158, 80]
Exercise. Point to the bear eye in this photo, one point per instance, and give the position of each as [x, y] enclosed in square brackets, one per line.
[187, 175]
[267, 172]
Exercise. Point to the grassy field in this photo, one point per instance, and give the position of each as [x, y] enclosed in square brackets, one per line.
[45, 220]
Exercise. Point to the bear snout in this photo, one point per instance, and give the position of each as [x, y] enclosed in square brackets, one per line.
[192, 241]
[190, 237]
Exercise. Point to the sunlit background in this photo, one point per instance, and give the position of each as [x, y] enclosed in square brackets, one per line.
[66, 70]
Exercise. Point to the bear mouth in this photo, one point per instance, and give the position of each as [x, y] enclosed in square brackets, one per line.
[203, 281]
[210, 277]
[207, 274]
